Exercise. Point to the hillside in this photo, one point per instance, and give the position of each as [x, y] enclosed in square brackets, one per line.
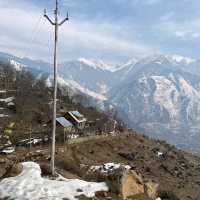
[177, 173]
[157, 95]
[26, 105]
[103, 156]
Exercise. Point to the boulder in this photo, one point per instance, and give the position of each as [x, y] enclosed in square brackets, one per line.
[46, 169]
[2, 170]
[3, 160]
[16, 170]
[139, 197]
[151, 189]
[131, 184]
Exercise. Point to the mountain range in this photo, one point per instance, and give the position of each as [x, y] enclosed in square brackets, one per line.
[158, 95]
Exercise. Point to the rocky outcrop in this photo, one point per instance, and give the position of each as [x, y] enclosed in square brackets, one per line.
[15, 170]
[132, 184]
[151, 189]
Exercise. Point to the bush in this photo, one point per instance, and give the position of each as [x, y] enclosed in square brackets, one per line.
[167, 195]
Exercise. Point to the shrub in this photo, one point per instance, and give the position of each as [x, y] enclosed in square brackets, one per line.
[167, 195]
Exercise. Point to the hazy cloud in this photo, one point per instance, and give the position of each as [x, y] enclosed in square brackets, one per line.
[107, 29]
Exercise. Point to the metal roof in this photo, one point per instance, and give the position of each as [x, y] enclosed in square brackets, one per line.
[78, 114]
[64, 122]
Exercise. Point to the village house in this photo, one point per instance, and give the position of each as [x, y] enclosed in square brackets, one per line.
[63, 125]
[76, 118]
[2, 81]
[6, 82]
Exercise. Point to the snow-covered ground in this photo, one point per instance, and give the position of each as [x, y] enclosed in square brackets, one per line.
[109, 167]
[2, 116]
[31, 141]
[7, 100]
[8, 150]
[30, 185]
[76, 87]
[2, 91]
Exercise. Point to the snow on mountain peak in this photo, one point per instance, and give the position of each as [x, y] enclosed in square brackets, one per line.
[18, 66]
[100, 64]
[180, 59]
[173, 59]
[87, 62]
[96, 64]
[157, 58]
[133, 61]
[76, 87]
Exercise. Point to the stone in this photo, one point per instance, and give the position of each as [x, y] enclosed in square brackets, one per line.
[2, 170]
[131, 184]
[46, 169]
[151, 189]
[139, 197]
[16, 170]
[3, 160]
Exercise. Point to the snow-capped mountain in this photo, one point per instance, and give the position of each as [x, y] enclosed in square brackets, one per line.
[98, 64]
[177, 59]
[71, 83]
[91, 75]
[32, 65]
[75, 87]
[161, 99]
[158, 95]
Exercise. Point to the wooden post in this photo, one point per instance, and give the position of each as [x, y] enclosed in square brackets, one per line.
[30, 135]
[64, 140]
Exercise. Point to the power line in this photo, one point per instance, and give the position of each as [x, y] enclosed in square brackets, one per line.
[34, 34]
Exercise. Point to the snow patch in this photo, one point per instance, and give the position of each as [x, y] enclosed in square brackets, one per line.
[35, 141]
[173, 59]
[2, 115]
[109, 167]
[103, 88]
[2, 91]
[48, 82]
[166, 95]
[180, 59]
[18, 66]
[132, 62]
[7, 100]
[8, 150]
[10, 104]
[98, 64]
[76, 87]
[30, 185]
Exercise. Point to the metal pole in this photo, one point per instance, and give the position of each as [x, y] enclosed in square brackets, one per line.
[56, 25]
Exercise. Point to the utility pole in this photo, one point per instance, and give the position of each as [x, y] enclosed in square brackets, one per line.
[56, 25]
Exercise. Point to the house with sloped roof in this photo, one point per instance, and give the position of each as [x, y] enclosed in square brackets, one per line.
[64, 127]
[2, 81]
[76, 118]
[63, 124]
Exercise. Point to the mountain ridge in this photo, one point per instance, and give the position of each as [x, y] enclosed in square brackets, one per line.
[158, 95]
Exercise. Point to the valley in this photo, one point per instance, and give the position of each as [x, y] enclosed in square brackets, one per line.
[157, 95]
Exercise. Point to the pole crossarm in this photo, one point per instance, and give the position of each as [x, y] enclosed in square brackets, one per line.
[63, 21]
[46, 16]
[54, 23]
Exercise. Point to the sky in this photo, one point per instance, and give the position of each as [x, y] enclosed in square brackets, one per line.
[112, 30]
